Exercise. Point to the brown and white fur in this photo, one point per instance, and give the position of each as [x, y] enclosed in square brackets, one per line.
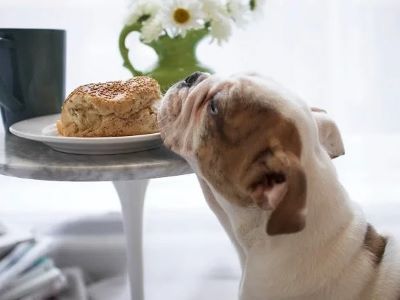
[263, 159]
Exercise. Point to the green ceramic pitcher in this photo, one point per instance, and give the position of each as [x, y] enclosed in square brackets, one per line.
[176, 56]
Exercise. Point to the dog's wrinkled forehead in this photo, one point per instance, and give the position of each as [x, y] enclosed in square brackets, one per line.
[254, 90]
[249, 94]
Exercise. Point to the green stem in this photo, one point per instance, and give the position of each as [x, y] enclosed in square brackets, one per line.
[124, 50]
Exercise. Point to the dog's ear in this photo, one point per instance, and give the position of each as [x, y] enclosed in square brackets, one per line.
[329, 135]
[282, 189]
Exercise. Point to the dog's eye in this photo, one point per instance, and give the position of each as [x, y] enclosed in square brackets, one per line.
[213, 107]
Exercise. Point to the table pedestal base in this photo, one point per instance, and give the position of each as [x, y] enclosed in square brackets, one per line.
[131, 195]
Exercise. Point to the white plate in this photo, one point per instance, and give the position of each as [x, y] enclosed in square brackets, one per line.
[43, 129]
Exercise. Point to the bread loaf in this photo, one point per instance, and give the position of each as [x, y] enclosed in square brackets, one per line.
[115, 108]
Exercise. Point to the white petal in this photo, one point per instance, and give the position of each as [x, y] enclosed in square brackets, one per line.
[239, 10]
[221, 29]
[141, 8]
[151, 30]
[214, 8]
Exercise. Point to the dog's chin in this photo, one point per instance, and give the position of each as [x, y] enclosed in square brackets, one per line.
[167, 121]
[170, 142]
[166, 115]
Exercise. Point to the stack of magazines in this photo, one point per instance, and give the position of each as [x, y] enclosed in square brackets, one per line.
[26, 273]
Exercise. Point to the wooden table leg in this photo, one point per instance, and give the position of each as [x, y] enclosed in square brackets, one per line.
[131, 195]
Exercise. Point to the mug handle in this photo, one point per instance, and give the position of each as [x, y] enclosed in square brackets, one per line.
[125, 51]
[7, 99]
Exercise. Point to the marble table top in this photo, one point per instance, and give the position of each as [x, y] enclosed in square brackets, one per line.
[29, 159]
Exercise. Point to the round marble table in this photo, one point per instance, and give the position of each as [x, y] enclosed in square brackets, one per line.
[128, 172]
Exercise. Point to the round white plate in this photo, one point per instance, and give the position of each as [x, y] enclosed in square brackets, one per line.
[43, 129]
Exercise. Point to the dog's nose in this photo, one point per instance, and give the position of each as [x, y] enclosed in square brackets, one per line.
[190, 80]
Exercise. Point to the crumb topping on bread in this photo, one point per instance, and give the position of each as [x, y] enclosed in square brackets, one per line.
[117, 90]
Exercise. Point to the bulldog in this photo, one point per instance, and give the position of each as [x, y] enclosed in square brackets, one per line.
[263, 160]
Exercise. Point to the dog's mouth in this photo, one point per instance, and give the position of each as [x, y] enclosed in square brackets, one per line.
[269, 180]
[269, 190]
[272, 178]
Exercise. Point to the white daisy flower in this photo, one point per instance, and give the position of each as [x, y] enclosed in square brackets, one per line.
[217, 16]
[240, 11]
[181, 16]
[214, 9]
[151, 30]
[142, 9]
[221, 28]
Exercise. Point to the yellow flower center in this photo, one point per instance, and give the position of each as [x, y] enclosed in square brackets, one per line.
[181, 15]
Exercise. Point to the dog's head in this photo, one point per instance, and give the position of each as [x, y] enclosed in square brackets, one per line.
[250, 140]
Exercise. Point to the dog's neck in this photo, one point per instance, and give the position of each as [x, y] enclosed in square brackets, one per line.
[332, 223]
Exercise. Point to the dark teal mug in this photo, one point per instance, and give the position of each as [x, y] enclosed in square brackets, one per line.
[32, 73]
